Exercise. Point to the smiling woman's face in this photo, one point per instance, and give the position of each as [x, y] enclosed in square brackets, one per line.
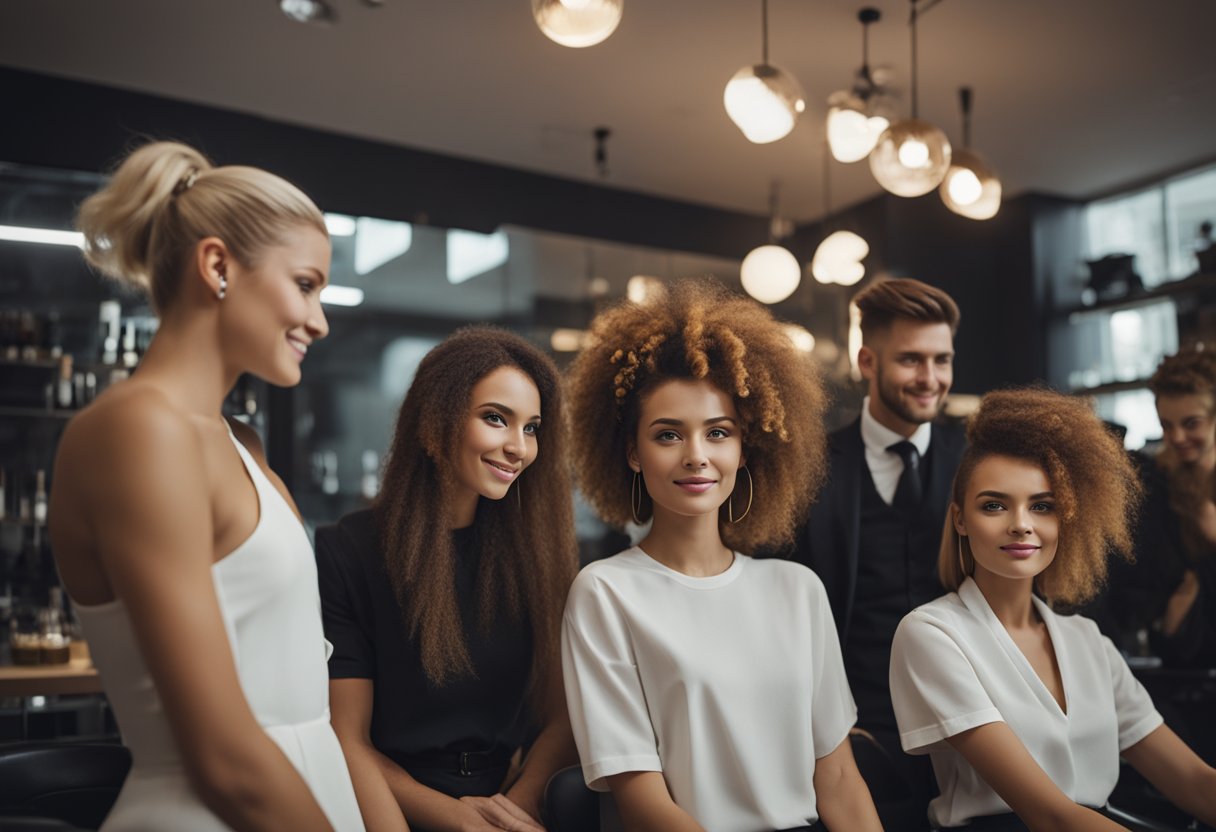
[1009, 519]
[500, 435]
[688, 447]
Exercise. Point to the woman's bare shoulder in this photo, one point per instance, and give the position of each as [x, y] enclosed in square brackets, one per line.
[131, 422]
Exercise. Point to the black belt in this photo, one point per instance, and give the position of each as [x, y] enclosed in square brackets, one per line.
[468, 763]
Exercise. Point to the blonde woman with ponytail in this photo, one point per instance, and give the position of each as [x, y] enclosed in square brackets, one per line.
[180, 548]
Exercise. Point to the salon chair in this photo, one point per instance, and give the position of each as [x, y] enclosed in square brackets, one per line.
[569, 805]
[59, 786]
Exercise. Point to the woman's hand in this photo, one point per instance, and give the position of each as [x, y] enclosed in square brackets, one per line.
[499, 811]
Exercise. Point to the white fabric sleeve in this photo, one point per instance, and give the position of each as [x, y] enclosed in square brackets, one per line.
[833, 711]
[1138, 717]
[608, 713]
[934, 687]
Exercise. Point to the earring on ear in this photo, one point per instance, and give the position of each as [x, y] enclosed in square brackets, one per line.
[635, 497]
[223, 290]
[962, 566]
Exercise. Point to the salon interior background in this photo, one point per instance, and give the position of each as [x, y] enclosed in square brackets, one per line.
[462, 116]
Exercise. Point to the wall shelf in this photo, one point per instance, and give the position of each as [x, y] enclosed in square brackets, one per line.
[1196, 284]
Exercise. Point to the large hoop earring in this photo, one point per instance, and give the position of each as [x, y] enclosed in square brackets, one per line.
[730, 506]
[635, 497]
[962, 565]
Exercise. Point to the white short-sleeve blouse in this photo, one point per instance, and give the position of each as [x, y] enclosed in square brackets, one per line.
[955, 667]
[730, 685]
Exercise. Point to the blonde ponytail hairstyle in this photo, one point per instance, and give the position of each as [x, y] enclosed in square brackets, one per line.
[141, 229]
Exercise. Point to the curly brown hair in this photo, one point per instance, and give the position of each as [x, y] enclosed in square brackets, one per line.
[528, 553]
[1186, 373]
[1096, 488]
[699, 330]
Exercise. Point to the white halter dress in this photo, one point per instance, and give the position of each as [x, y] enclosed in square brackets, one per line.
[267, 590]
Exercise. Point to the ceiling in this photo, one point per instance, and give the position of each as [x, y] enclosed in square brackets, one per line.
[1074, 97]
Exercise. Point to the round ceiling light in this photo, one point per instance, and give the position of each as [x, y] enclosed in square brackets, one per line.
[770, 273]
[852, 133]
[911, 157]
[838, 258]
[764, 102]
[577, 23]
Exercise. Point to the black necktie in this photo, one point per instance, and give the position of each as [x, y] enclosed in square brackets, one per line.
[907, 492]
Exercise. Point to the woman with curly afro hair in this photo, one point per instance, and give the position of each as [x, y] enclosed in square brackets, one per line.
[706, 689]
[444, 599]
[1022, 709]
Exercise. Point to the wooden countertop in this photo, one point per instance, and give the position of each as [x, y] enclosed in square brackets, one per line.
[48, 679]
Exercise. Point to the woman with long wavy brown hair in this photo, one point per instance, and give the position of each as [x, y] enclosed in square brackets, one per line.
[444, 599]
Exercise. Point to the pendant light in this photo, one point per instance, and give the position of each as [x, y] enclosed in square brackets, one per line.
[577, 23]
[770, 273]
[308, 11]
[853, 126]
[912, 156]
[838, 258]
[762, 100]
[970, 188]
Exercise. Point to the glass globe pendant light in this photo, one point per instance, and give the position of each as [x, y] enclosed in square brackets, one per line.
[770, 273]
[912, 156]
[971, 188]
[762, 100]
[577, 23]
[853, 128]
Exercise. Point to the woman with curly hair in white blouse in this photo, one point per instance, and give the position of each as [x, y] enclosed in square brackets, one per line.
[1025, 711]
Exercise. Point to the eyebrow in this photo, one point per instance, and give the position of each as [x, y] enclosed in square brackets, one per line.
[508, 411]
[679, 423]
[915, 354]
[1000, 495]
[324, 278]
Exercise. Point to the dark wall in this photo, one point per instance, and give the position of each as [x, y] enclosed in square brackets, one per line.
[58, 123]
[1004, 272]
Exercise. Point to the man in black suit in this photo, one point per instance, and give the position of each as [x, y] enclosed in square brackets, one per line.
[874, 533]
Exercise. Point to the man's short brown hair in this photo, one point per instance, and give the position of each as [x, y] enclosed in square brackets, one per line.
[883, 303]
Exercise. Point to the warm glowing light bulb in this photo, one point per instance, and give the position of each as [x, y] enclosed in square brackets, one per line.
[964, 186]
[764, 102]
[851, 133]
[914, 154]
[770, 273]
[577, 23]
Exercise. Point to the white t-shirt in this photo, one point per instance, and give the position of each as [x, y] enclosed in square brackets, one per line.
[731, 686]
[954, 667]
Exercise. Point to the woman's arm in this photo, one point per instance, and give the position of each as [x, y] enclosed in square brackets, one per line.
[136, 476]
[645, 804]
[1177, 772]
[350, 707]
[999, 757]
[387, 794]
[843, 800]
[552, 751]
